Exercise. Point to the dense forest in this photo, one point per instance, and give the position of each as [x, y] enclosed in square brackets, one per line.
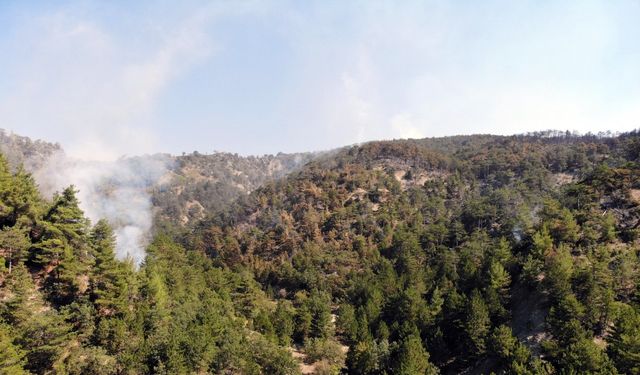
[469, 254]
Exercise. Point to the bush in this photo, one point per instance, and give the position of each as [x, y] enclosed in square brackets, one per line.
[328, 350]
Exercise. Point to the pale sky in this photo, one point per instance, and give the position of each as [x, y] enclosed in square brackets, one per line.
[106, 78]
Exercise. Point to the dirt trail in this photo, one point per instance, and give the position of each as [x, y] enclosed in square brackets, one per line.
[301, 357]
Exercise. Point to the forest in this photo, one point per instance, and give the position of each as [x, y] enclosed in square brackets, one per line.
[469, 254]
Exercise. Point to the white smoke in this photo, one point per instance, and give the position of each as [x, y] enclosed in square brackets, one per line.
[118, 191]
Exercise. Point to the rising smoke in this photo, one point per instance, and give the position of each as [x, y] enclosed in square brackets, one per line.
[118, 191]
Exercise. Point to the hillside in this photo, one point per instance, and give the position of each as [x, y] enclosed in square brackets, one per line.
[445, 241]
[470, 254]
[183, 188]
[68, 306]
[22, 150]
[198, 184]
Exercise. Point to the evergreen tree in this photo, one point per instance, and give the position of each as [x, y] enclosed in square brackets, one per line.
[368, 357]
[6, 186]
[477, 324]
[24, 199]
[20, 306]
[39, 330]
[413, 359]
[19, 198]
[497, 291]
[62, 246]
[14, 243]
[12, 357]
[44, 336]
[558, 272]
[67, 219]
[624, 343]
[109, 288]
[513, 354]
[283, 322]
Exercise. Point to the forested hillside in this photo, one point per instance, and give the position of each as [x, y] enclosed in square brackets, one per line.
[471, 254]
[197, 184]
[67, 306]
[191, 186]
[508, 254]
[19, 150]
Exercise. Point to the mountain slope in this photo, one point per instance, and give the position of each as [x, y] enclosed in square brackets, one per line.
[198, 184]
[183, 188]
[452, 255]
[426, 239]
[22, 150]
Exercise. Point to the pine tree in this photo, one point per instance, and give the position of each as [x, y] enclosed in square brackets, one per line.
[44, 336]
[624, 343]
[65, 214]
[368, 357]
[497, 292]
[62, 227]
[61, 247]
[319, 305]
[564, 319]
[413, 359]
[477, 324]
[558, 271]
[24, 199]
[109, 288]
[283, 322]
[19, 197]
[501, 253]
[499, 280]
[39, 330]
[20, 307]
[542, 243]
[6, 186]
[503, 344]
[13, 244]
[566, 228]
[12, 357]
[509, 350]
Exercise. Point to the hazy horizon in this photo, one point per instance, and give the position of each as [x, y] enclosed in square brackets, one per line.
[108, 79]
[249, 154]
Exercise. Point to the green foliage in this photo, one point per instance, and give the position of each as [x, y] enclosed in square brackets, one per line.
[347, 323]
[477, 324]
[90, 360]
[497, 294]
[558, 271]
[44, 336]
[435, 255]
[328, 351]
[624, 344]
[313, 315]
[283, 322]
[108, 279]
[513, 355]
[14, 242]
[369, 357]
[70, 306]
[12, 357]
[413, 359]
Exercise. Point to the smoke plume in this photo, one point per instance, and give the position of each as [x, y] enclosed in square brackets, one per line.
[118, 191]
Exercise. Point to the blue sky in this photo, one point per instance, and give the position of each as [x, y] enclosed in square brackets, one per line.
[112, 78]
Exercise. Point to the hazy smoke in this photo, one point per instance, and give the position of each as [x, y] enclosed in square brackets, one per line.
[114, 190]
